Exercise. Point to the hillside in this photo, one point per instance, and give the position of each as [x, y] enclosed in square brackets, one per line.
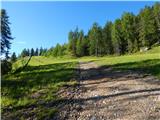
[34, 89]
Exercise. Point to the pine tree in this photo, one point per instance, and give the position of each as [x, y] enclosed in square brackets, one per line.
[95, 40]
[13, 57]
[147, 33]
[85, 46]
[117, 37]
[156, 11]
[129, 30]
[36, 52]
[107, 38]
[24, 53]
[28, 52]
[32, 52]
[73, 37]
[5, 33]
[40, 51]
[79, 49]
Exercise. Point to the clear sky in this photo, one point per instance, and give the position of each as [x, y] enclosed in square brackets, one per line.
[36, 24]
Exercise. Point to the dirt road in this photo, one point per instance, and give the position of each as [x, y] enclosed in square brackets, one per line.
[105, 94]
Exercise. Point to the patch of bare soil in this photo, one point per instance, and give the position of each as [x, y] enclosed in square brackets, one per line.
[105, 94]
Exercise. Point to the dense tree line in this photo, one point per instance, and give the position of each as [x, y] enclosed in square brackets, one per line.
[127, 34]
[33, 52]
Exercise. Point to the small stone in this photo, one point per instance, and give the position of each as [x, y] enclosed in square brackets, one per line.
[93, 118]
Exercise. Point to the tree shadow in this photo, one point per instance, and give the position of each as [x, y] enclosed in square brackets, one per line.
[131, 71]
[20, 84]
[127, 71]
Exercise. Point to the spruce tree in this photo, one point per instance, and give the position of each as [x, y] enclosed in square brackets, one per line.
[32, 52]
[147, 33]
[107, 38]
[5, 33]
[13, 57]
[79, 47]
[129, 28]
[117, 37]
[95, 40]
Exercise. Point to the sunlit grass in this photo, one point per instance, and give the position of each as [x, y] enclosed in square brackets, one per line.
[43, 77]
[36, 84]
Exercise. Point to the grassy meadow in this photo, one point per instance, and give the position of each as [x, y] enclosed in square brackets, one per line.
[35, 86]
[38, 83]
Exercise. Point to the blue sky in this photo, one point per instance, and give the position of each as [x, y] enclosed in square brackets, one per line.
[36, 24]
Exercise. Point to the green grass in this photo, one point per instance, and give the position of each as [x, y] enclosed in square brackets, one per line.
[39, 82]
[148, 62]
[36, 84]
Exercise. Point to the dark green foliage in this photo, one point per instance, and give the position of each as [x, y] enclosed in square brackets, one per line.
[129, 32]
[107, 38]
[85, 46]
[32, 52]
[13, 57]
[40, 51]
[147, 27]
[79, 45]
[156, 10]
[73, 37]
[5, 33]
[58, 50]
[95, 40]
[24, 53]
[36, 52]
[117, 37]
[28, 52]
[6, 67]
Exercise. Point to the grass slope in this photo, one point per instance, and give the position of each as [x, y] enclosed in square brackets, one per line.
[35, 86]
[40, 81]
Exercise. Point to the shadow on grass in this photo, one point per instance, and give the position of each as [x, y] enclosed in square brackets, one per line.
[142, 68]
[37, 77]
[148, 66]
[127, 71]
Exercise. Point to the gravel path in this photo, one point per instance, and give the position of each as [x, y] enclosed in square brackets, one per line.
[105, 94]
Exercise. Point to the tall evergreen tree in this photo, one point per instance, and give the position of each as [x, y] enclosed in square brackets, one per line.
[85, 46]
[117, 37]
[73, 37]
[156, 11]
[129, 31]
[13, 57]
[36, 52]
[79, 47]
[24, 53]
[32, 52]
[40, 51]
[28, 52]
[95, 39]
[107, 38]
[5, 33]
[147, 33]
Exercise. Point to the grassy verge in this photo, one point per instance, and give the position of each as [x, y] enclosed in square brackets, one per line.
[148, 62]
[34, 87]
